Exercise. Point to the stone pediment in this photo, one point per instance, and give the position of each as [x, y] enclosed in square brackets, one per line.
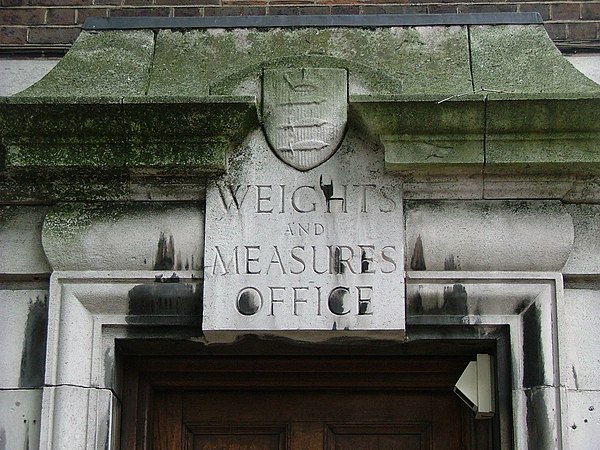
[456, 95]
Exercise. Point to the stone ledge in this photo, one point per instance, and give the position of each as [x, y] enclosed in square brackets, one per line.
[166, 134]
[527, 134]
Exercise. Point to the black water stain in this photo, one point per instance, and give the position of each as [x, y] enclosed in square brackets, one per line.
[33, 355]
[415, 305]
[521, 306]
[539, 432]
[575, 377]
[165, 253]
[365, 267]
[455, 300]
[454, 303]
[328, 193]
[26, 442]
[451, 263]
[338, 266]
[108, 368]
[166, 297]
[533, 358]
[417, 261]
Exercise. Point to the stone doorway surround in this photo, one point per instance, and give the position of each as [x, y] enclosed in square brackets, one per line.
[89, 313]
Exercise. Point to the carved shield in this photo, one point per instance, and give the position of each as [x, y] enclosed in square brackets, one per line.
[304, 113]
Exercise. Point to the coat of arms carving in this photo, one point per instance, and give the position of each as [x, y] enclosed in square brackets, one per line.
[305, 113]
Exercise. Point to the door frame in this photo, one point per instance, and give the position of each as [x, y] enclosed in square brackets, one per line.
[88, 313]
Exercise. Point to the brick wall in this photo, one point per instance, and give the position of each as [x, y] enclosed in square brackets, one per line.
[48, 24]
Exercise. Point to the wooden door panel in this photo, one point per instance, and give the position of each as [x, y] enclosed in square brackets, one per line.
[389, 437]
[299, 404]
[199, 437]
[306, 405]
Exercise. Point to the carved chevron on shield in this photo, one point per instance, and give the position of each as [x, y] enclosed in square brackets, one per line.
[305, 113]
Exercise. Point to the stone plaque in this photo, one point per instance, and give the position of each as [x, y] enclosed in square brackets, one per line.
[317, 250]
[304, 113]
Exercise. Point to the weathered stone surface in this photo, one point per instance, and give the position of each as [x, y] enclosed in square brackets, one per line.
[579, 339]
[20, 417]
[199, 62]
[21, 240]
[492, 235]
[585, 257]
[52, 137]
[537, 419]
[517, 58]
[125, 236]
[425, 134]
[305, 113]
[542, 134]
[69, 408]
[112, 63]
[314, 251]
[581, 419]
[23, 321]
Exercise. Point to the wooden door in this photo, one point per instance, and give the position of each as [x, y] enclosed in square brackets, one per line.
[387, 403]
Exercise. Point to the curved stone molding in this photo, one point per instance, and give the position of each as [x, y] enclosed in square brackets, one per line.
[20, 240]
[488, 235]
[126, 236]
[585, 257]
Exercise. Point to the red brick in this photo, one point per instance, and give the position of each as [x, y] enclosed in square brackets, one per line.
[291, 2]
[136, 2]
[283, 10]
[50, 35]
[84, 13]
[556, 31]
[59, 2]
[60, 16]
[482, 8]
[235, 11]
[13, 35]
[393, 9]
[185, 2]
[542, 8]
[22, 16]
[13, 2]
[108, 2]
[565, 11]
[590, 11]
[377, 2]
[136, 12]
[187, 12]
[314, 10]
[441, 9]
[584, 31]
[345, 9]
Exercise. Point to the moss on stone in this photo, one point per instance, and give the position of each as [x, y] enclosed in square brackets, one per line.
[522, 59]
[384, 60]
[113, 63]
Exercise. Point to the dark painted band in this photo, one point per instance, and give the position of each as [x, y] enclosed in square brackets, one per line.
[370, 20]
